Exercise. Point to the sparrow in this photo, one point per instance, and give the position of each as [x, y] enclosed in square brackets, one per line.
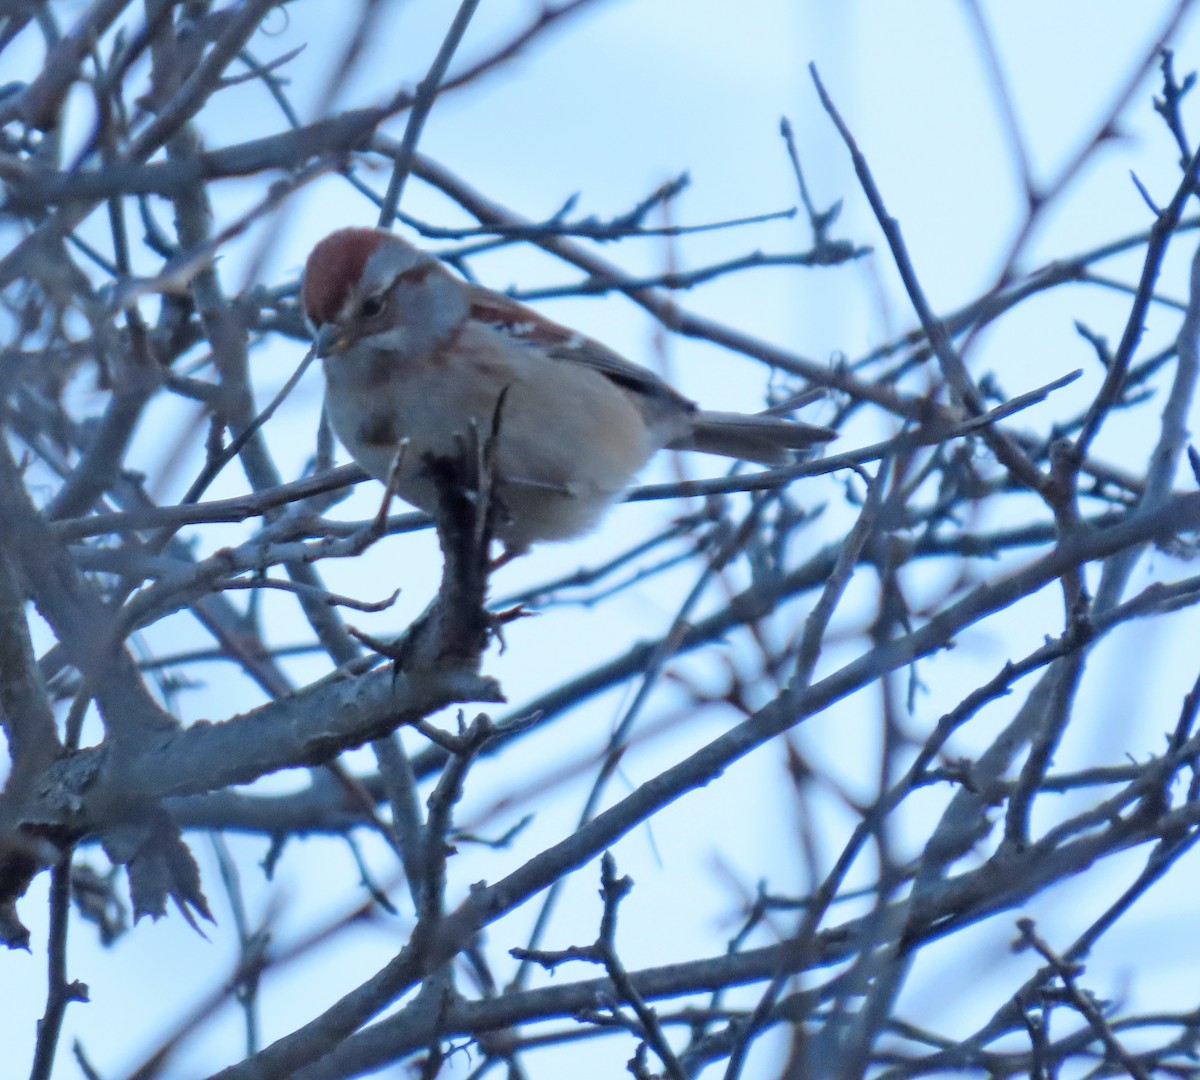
[415, 357]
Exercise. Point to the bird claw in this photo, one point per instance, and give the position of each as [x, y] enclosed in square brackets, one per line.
[498, 620]
[505, 557]
[402, 649]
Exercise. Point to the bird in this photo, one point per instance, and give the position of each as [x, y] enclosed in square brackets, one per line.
[415, 357]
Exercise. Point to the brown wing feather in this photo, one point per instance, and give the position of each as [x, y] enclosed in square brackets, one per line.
[561, 343]
[767, 440]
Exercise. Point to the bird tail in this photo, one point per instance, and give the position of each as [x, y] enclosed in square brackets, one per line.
[766, 440]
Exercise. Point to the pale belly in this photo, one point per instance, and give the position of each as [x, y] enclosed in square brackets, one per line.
[569, 440]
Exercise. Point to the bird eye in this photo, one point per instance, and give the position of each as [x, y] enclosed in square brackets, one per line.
[371, 306]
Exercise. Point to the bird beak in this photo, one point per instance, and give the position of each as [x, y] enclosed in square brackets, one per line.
[330, 340]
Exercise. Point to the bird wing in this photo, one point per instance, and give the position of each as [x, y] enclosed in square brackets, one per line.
[560, 343]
